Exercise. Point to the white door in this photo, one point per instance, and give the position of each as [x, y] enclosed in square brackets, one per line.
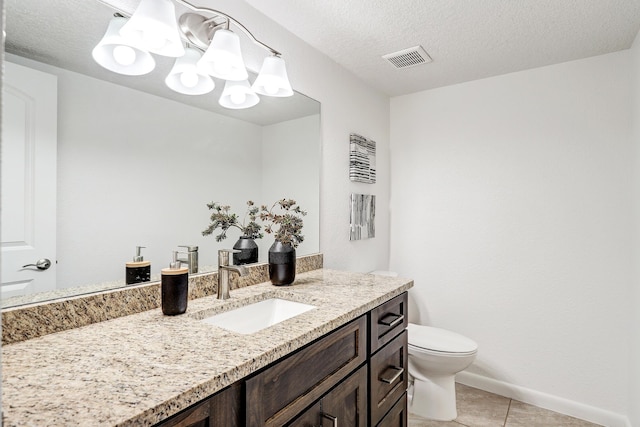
[29, 146]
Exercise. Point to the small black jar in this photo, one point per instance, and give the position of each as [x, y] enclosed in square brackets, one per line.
[282, 264]
[175, 290]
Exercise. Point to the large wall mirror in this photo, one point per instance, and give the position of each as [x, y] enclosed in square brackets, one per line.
[137, 163]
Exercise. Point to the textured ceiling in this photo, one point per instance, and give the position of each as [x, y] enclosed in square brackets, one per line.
[467, 39]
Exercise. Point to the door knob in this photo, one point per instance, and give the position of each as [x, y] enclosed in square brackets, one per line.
[41, 264]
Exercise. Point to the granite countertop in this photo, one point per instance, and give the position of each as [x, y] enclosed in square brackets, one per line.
[143, 368]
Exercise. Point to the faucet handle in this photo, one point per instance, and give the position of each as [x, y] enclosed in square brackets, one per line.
[176, 263]
[230, 251]
[223, 256]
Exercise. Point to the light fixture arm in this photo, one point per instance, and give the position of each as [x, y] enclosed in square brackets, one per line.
[229, 19]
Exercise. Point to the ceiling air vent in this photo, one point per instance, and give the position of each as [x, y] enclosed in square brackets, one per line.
[408, 57]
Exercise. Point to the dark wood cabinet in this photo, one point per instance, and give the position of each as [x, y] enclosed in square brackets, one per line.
[388, 320]
[355, 376]
[222, 409]
[388, 362]
[196, 416]
[398, 416]
[345, 405]
[388, 376]
[279, 393]
[309, 418]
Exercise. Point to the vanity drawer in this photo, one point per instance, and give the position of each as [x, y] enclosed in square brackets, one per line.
[277, 394]
[398, 416]
[388, 320]
[388, 376]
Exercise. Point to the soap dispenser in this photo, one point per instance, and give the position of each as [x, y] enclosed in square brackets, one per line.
[139, 270]
[174, 287]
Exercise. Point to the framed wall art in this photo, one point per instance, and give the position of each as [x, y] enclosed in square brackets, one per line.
[362, 159]
[362, 217]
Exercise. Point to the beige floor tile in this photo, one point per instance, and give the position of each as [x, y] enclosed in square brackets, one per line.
[478, 408]
[524, 415]
[416, 421]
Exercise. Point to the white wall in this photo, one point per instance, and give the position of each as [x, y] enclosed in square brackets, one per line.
[348, 105]
[634, 330]
[290, 157]
[512, 210]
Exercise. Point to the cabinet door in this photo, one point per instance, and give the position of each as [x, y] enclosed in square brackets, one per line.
[221, 409]
[397, 416]
[279, 393]
[346, 405]
[309, 418]
[197, 416]
[226, 407]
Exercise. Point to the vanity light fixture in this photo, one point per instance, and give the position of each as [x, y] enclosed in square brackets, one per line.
[238, 95]
[273, 80]
[117, 54]
[185, 76]
[223, 58]
[153, 29]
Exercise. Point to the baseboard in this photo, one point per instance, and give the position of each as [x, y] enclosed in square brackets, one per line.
[543, 400]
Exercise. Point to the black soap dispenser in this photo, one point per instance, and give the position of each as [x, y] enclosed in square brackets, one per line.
[139, 270]
[175, 287]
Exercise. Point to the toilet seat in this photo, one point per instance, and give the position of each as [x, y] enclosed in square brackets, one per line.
[430, 339]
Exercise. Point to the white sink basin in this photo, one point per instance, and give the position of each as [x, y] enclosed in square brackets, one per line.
[254, 317]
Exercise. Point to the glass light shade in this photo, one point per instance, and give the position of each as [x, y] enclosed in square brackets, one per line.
[186, 78]
[237, 95]
[223, 58]
[273, 80]
[153, 27]
[116, 54]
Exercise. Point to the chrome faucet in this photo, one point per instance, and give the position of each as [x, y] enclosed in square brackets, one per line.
[224, 270]
[191, 258]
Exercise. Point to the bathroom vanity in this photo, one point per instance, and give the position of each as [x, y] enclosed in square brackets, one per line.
[327, 379]
[344, 361]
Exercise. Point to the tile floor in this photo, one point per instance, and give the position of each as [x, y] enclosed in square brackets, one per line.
[478, 408]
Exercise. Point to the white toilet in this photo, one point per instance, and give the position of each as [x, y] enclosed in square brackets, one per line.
[435, 357]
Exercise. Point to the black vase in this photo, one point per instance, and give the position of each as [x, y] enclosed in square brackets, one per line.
[282, 264]
[248, 251]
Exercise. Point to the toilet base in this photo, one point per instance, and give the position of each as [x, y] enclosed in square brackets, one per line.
[434, 398]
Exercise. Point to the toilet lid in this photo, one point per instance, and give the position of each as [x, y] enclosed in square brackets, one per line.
[436, 339]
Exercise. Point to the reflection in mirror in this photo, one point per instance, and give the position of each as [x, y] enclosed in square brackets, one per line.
[137, 163]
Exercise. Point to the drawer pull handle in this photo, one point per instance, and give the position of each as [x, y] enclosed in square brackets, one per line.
[391, 374]
[333, 419]
[392, 320]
